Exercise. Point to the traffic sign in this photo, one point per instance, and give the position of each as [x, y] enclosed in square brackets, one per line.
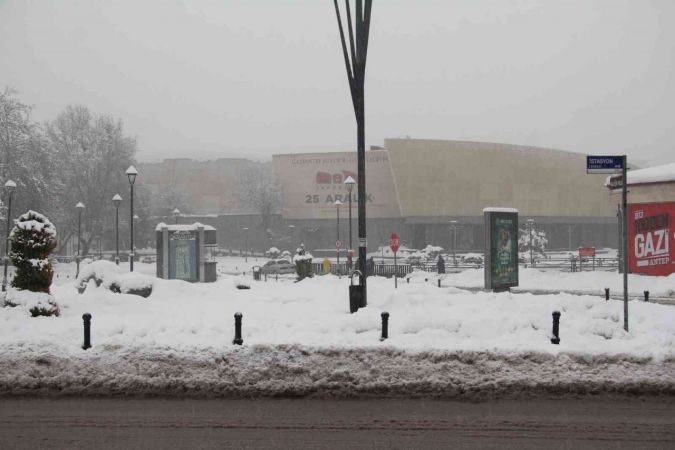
[604, 164]
[338, 244]
[394, 243]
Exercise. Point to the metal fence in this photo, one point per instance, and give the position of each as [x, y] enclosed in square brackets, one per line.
[387, 269]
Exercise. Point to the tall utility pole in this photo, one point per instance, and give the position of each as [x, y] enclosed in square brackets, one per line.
[356, 70]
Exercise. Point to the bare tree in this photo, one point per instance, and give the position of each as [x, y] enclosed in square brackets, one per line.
[258, 192]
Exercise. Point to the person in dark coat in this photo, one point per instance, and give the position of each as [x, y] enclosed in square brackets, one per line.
[440, 265]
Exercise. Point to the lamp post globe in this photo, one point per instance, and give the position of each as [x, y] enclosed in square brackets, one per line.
[10, 187]
[117, 199]
[80, 208]
[131, 173]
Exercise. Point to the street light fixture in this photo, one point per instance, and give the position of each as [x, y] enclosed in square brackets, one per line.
[131, 174]
[337, 242]
[80, 208]
[246, 244]
[10, 187]
[176, 213]
[117, 199]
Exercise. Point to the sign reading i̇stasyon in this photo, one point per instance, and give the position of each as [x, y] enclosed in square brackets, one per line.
[312, 182]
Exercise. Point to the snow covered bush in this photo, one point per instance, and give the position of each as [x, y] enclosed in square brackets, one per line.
[110, 276]
[35, 303]
[32, 241]
[303, 263]
[273, 253]
[538, 239]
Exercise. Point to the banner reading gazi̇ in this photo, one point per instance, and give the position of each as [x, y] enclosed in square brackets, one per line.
[651, 231]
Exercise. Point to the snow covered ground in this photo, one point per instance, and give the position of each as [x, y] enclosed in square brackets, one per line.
[299, 339]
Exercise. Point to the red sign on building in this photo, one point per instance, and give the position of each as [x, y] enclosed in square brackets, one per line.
[586, 252]
[394, 243]
[651, 228]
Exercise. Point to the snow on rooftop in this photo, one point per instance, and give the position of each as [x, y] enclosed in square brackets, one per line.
[656, 174]
[182, 227]
[496, 209]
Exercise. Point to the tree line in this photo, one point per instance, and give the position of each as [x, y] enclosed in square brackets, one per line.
[78, 156]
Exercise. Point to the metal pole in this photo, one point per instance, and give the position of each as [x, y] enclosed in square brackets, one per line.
[9, 215]
[624, 205]
[246, 245]
[531, 223]
[77, 258]
[338, 238]
[131, 221]
[395, 272]
[350, 220]
[454, 244]
[117, 235]
[358, 49]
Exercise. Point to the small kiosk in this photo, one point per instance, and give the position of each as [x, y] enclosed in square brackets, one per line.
[501, 248]
[185, 252]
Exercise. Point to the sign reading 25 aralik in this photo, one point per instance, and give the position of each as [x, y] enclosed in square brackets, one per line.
[312, 182]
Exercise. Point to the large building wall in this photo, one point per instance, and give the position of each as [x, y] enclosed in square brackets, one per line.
[457, 178]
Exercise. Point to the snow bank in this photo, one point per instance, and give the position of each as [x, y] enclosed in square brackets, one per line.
[299, 339]
[294, 370]
[109, 275]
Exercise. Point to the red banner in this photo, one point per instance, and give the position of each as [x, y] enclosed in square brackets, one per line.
[651, 227]
[586, 252]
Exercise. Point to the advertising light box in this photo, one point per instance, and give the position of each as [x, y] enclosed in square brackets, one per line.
[650, 232]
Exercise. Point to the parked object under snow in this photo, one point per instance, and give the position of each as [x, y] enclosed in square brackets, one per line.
[110, 276]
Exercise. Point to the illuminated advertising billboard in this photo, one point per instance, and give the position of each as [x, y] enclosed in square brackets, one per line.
[650, 232]
[312, 182]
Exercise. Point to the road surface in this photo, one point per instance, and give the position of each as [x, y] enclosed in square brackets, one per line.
[647, 423]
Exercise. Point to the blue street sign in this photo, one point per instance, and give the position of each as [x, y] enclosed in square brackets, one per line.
[604, 164]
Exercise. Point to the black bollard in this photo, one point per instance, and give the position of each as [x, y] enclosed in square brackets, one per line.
[237, 329]
[556, 328]
[277, 279]
[408, 280]
[385, 326]
[607, 294]
[86, 318]
[439, 282]
[647, 296]
[265, 277]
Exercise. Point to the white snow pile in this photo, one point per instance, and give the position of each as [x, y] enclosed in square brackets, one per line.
[29, 303]
[656, 174]
[34, 221]
[300, 339]
[110, 276]
[591, 282]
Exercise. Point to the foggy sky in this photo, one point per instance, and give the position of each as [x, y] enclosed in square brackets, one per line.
[254, 77]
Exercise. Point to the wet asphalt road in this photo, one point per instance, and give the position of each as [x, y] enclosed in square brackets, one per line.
[647, 423]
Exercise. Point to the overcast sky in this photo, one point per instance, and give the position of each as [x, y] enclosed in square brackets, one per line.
[251, 78]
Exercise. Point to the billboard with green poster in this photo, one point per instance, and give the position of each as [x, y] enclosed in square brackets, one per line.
[501, 248]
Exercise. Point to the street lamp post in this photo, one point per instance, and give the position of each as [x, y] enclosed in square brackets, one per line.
[530, 227]
[350, 182]
[136, 219]
[337, 242]
[453, 224]
[246, 244]
[117, 199]
[131, 174]
[356, 46]
[80, 208]
[291, 232]
[10, 186]
[176, 213]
